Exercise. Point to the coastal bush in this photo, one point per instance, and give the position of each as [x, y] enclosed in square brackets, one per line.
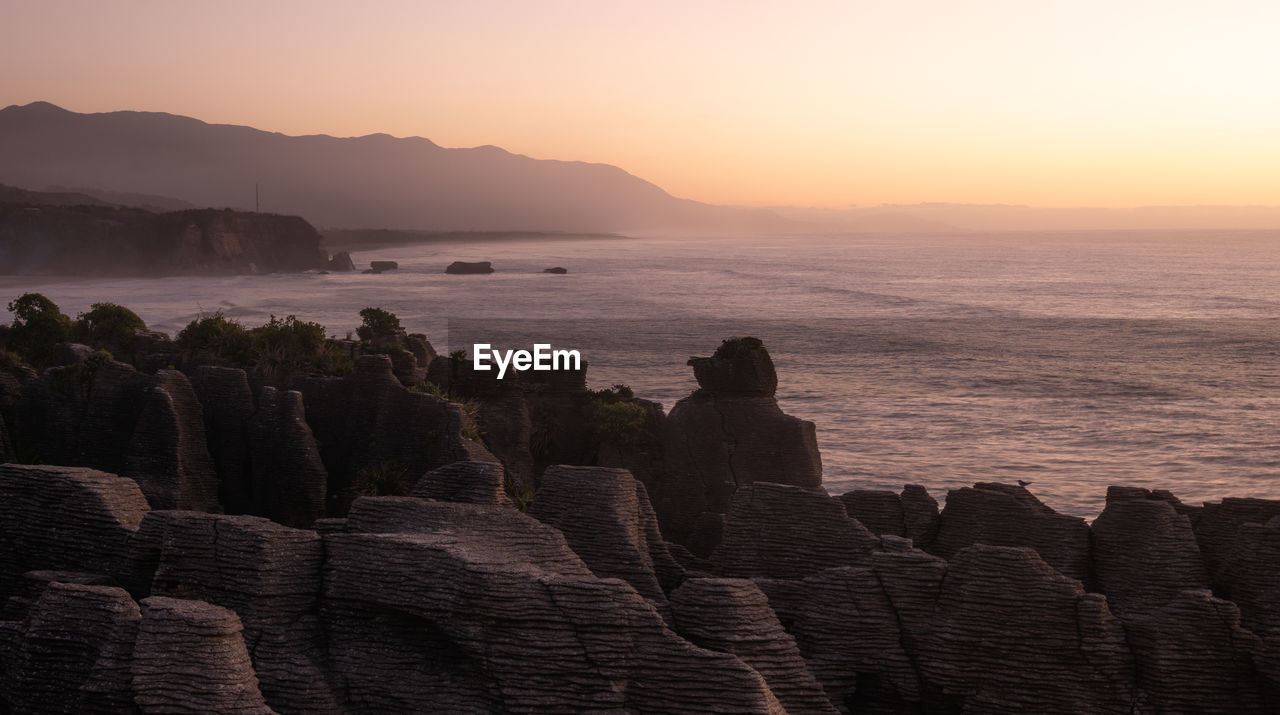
[108, 324]
[611, 416]
[738, 347]
[376, 324]
[38, 326]
[217, 334]
[381, 479]
[10, 361]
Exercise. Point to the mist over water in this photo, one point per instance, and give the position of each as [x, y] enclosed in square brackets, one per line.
[1069, 360]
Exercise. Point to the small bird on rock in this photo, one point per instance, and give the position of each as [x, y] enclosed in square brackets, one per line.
[1022, 483]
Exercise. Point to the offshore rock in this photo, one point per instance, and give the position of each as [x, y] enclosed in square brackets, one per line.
[1017, 635]
[1144, 551]
[65, 518]
[1009, 515]
[725, 437]
[785, 531]
[75, 652]
[368, 419]
[341, 262]
[288, 478]
[606, 518]
[463, 267]
[1193, 656]
[733, 616]
[267, 573]
[470, 482]
[189, 657]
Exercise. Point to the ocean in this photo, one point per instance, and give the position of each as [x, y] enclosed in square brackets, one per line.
[1072, 361]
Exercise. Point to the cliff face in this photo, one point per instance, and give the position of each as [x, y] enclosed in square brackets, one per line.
[41, 239]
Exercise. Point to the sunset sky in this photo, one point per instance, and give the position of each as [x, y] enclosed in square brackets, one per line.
[831, 103]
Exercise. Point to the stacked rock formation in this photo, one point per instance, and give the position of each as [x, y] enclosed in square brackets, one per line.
[725, 436]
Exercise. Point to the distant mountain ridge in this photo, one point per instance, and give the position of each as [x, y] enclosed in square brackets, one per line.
[362, 182]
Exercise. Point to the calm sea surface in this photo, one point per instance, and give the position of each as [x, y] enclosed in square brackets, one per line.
[1072, 361]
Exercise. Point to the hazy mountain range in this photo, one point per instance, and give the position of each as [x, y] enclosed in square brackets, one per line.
[167, 162]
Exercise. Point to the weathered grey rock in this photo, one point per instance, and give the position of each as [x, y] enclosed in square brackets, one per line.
[189, 657]
[740, 366]
[470, 482]
[491, 634]
[34, 583]
[267, 573]
[715, 444]
[1016, 635]
[369, 418]
[64, 518]
[1193, 656]
[75, 652]
[601, 514]
[288, 478]
[1009, 515]
[852, 638]
[557, 269]
[383, 265]
[168, 456]
[879, 511]
[1144, 551]
[227, 402]
[1218, 524]
[919, 515]
[785, 531]
[341, 261]
[733, 616]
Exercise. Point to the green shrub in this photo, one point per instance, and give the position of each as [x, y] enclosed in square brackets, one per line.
[618, 423]
[108, 323]
[381, 479]
[377, 323]
[217, 334]
[738, 347]
[38, 325]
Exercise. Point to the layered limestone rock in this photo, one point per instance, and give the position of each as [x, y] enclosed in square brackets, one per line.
[1009, 515]
[470, 482]
[288, 478]
[149, 428]
[66, 518]
[500, 411]
[189, 657]
[1251, 579]
[1218, 524]
[727, 435]
[487, 625]
[368, 419]
[227, 400]
[1193, 656]
[75, 652]
[919, 515]
[733, 616]
[267, 573]
[1016, 635]
[606, 518]
[1144, 551]
[785, 531]
[879, 511]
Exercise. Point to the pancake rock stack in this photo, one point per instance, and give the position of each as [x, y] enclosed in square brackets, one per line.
[742, 587]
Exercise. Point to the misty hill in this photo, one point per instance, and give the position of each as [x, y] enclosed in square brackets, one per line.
[76, 234]
[371, 181]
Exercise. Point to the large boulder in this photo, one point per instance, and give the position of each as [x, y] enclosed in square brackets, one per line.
[1009, 515]
[463, 267]
[189, 657]
[68, 518]
[733, 616]
[1144, 551]
[288, 480]
[785, 531]
[470, 482]
[606, 518]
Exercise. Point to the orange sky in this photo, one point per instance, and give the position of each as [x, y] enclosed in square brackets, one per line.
[806, 103]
